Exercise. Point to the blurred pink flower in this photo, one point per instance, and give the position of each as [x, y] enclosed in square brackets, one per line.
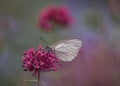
[39, 60]
[60, 15]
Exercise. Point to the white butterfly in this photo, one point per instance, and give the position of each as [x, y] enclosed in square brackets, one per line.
[66, 50]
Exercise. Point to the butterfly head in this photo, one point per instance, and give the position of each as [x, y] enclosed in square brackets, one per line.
[49, 49]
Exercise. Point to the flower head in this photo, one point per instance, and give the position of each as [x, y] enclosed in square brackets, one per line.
[60, 15]
[35, 60]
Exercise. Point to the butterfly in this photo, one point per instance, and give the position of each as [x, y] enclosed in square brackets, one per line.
[65, 50]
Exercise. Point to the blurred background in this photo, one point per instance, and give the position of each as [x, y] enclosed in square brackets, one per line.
[97, 24]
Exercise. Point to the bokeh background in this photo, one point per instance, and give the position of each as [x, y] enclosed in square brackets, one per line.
[97, 24]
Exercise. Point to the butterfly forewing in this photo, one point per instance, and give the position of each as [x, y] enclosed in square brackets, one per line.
[67, 50]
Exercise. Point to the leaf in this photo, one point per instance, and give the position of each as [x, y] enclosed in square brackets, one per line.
[34, 80]
[31, 80]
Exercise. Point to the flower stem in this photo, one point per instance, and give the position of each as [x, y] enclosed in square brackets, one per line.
[38, 78]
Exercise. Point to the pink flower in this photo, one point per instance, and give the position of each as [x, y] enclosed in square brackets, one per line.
[35, 60]
[55, 14]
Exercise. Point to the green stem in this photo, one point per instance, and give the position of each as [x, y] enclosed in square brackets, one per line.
[38, 78]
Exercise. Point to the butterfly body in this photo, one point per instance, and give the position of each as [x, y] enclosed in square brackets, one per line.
[49, 49]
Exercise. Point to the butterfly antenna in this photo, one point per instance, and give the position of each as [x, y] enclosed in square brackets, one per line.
[43, 40]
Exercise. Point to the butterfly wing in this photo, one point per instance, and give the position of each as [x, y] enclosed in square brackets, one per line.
[67, 50]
